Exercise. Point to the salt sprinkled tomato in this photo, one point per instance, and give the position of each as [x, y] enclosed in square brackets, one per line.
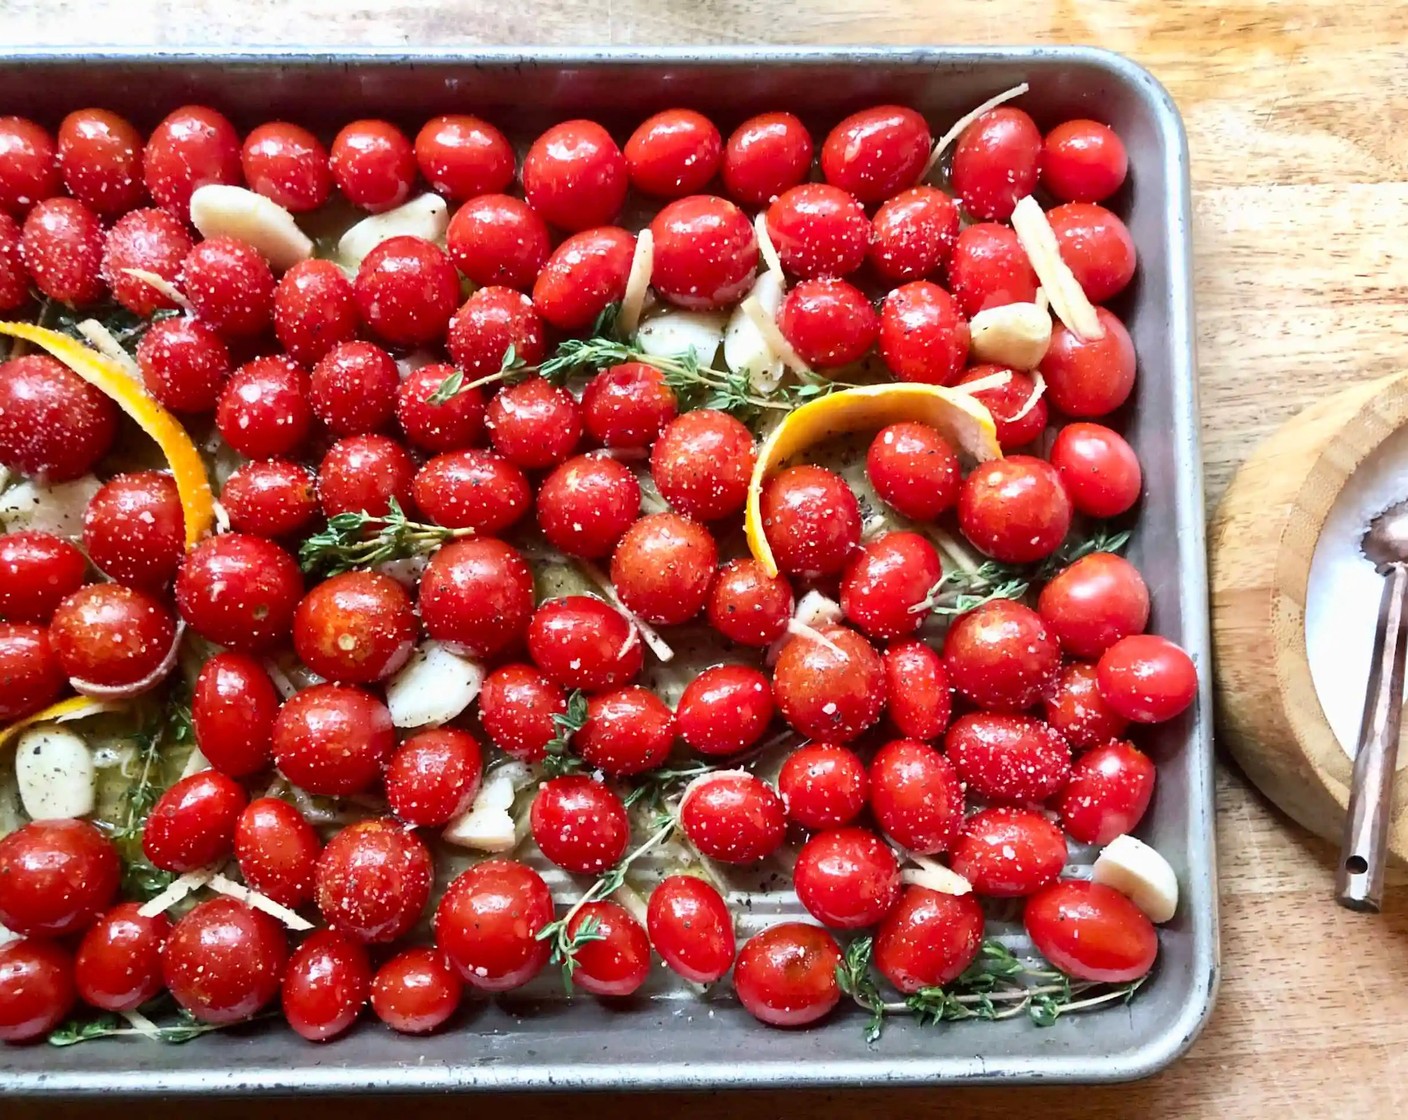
[748, 606]
[193, 823]
[818, 230]
[61, 243]
[365, 474]
[224, 961]
[847, 878]
[29, 169]
[766, 155]
[263, 411]
[828, 322]
[1091, 932]
[192, 147]
[663, 566]
[1146, 678]
[270, 498]
[434, 776]
[353, 388]
[498, 239]
[673, 153]
[184, 364]
[691, 928]
[314, 310]
[239, 591]
[585, 275]
[415, 991]
[1015, 509]
[326, 985]
[586, 504]
[1096, 246]
[332, 740]
[30, 669]
[135, 531]
[406, 290]
[1098, 468]
[1108, 794]
[118, 964]
[580, 824]
[830, 686]
[1083, 161]
[277, 851]
[989, 268]
[1074, 707]
[1019, 421]
[36, 984]
[733, 816]
[1001, 656]
[616, 960]
[477, 595]
[487, 924]
[1008, 758]
[37, 570]
[463, 156]
[706, 253]
[725, 709]
[534, 424]
[487, 324]
[356, 627]
[516, 706]
[914, 470]
[582, 643]
[812, 520]
[112, 637]
[373, 880]
[913, 234]
[702, 462]
[286, 163]
[916, 685]
[916, 796]
[56, 877]
[929, 939]
[474, 489]
[456, 423]
[786, 975]
[627, 732]
[14, 277]
[823, 785]
[923, 337]
[230, 286]
[995, 162]
[575, 176]
[373, 164]
[627, 406]
[153, 240]
[1007, 853]
[886, 586]
[1095, 602]
[877, 152]
[1089, 378]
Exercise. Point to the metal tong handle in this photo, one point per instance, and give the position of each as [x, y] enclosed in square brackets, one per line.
[1359, 882]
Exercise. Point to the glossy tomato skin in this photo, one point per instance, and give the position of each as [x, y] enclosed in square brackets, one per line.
[406, 290]
[14, 277]
[1091, 932]
[193, 822]
[733, 816]
[1088, 378]
[1017, 424]
[135, 531]
[786, 975]
[373, 164]
[823, 785]
[812, 520]
[272, 498]
[923, 335]
[627, 406]
[748, 606]
[314, 310]
[1001, 656]
[877, 152]
[674, 153]
[575, 176]
[832, 689]
[617, 961]
[585, 274]
[499, 239]
[37, 571]
[702, 462]
[56, 877]
[111, 636]
[1015, 509]
[287, 163]
[1095, 602]
[929, 939]
[516, 706]
[818, 230]
[765, 156]
[1008, 758]
[913, 234]
[917, 688]
[583, 643]
[30, 669]
[1074, 707]
[451, 426]
[373, 880]
[1098, 469]
[989, 268]
[663, 566]
[36, 989]
[277, 851]
[263, 410]
[416, 991]
[184, 364]
[233, 706]
[434, 776]
[353, 388]
[118, 963]
[628, 731]
[995, 162]
[916, 796]
[1007, 852]
[586, 504]
[462, 156]
[706, 253]
[52, 423]
[230, 286]
[224, 960]
[725, 709]
[580, 824]
[1108, 794]
[154, 240]
[1146, 678]
[886, 586]
[1096, 246]
[487, 324]
[355, 628]
[477, 595]
[847, 878]
[326, 985]
[914, 469]
[828, 322]
[534, 424]
[61, 244]
[690, 926]
[29, 169]
[487, 924]
[1083, 161]
[365, 474]
[190, 148]
[332, 740]
[239, 591]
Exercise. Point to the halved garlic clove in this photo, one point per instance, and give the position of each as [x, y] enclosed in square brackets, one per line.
[935, 877]
[488, 824]
[678, 334]
[220, 210]
[746, 348]
[1015, 335]
[426, 216]
[435, 686]
[55, 774]
[1137, 871]
[56, 509]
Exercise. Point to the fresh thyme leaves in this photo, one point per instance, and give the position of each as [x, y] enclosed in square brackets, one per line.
[125, 326]
[172, 726]
[185, 1028]
[558, 760]
[359, 540]
[85, 1030]
[454, 385]
[854, 976]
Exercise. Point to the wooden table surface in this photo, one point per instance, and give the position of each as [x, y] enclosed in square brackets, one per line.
[1297, 114]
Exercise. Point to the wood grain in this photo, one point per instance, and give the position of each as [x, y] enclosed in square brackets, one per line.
[1297, 113]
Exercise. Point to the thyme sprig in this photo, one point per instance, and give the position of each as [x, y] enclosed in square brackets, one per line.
[185, 1028]
[454, 384]
[361, 540]
[127, 327]
[558, 758]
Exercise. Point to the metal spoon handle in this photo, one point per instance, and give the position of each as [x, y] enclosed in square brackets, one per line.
[1359, 883]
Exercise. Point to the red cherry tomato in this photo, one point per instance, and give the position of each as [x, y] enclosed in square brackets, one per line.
[108, 636]
[14, 277]
[37, 570]
[627, 406]
[239, 591]
[1083, 161]
[355, 628]
[1098, 469]
[230, 286]
[314, 310]
[488, 324]
[923, 337]
[673, 153]
[1091, 932]
[100, 159]
[1146, 678]
[916, 685]
[1001, 656]
[913, 234]
[1014, 509]
[748, 606]
[193, 822]
[663, 566]
[916, 796]
[277, 851]
[1008, 758]
[56, 877]
[477, 595]
[192, 147]
[1019, 419]
[373, 164]
[488, 921]
[582, 643]
[847, 878]
[1089, 378]
[516, 706]
[224, 961]
[1007, 853]
[786, 975]
[1074, 707]
[353, 388]
[456, 423]
[36, 977]
[1095, 602]
[463, 156]
[616, 960]
[287, 163]
[765, 156]
[30, 669]
[365, 474]
[733, 816]
[995, 162]
[184, 364]
[326, 985]
[989, 268]
[271, 498]
[534, 424]
[828, 322]
[929, 939]
[153, 240]
[1108, 794]
[702, 462]
[29, 169]
[691, 928]
[473, 490]
[61, 244]
[823, 785]
[118, 965]
[415, 991]
[373, 880]
[580, 824]
[831, 687]
[887, 584]
[498, 239]
[135, 531]
[812, 520]
[586, 504]
[434, 776]
[332, 740]
[877, 152]
[585, 274]
[818, 230]
[914, 469]
[725, 709]
[406, 290]
[263, 411]
[1096, 246]
[627, 732]
[706, 253]
[575, 176]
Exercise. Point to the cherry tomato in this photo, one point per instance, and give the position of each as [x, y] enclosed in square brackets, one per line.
[575, 176]
[287, 163]
[1014, 509]
[473, 490]
[1019, 418]
[627, 406]
[1098, 469]
[691, 928]
[733, 816]
[1146, 678]
[373, 880]
[1089, 378]
[107, 636]
[192, 147]
[36, 977]
[1008, 758]
[829, 687]
[706, 253]
[534, 424]
[456, 423]
[1001, 656]
[586, 504]
[61, 244]
[916, 796]
[989, 268]
[332, 740]
[828, 322]
[463, 156]
[434, 776]
[886, 587]
[230, 286]
[153, 240]
[415, 991]
[270, 498]
[702, 462]
[877, 152]
[277, 851]
[314, 310]
[582, 643]
[406, 290]
[488, 921]
[1108, 794]
[818, 230]
[373, 164]
[224, 961]
[365, 474]
[1091, 932]
[490, 323]
[30, 669]
[725, 709]
[616, 960]
[263, 411]
[812, 520]
[353, 388]
[135, 531]
[118, 964]
[1095, 602]
[326, 985]
[923, 337]
[37, 571]
[786, 975]
[239, 591]
[823, 785]
[100, 160]
[498, 239]
[847, 878]
[765, 156]
[1075, 708]
[1007, 853]
[14, 277]
[516, 706]
[913, 234]
[663, 566]
[585, 275]
[193, 822]
[29, 169]
[1083, 161]
[916, 684]
[673, 153]
[56, 877]
[929, 939]
[627, 732]
[184, 364]
[477, 595]
[580, 824]
[748, 606]
[914, 469]
[1097, 248]
[355, 628]
[995, 162]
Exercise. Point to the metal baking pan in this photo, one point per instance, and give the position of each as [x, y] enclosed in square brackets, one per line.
[680, 1042]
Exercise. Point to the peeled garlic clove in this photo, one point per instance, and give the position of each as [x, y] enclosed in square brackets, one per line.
[488, 824]
[746, 348]
[675, 334]
[56, 509]
[426, 216]
[435, 686]
[55, 774]
[220, 210]
[1015, 335]
[935, 877]
[1141, 874]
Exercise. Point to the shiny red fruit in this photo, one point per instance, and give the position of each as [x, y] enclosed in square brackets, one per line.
[702, 462]
[1095, 602]
[929, 939]
[534, 424]
[277, 851]
[627, 406]
[287, 163]
[847, 878]
[239, 591]
[224, 960]
[326, 985]
[690, 926]
[914, 469]
[1015, 510]
[916, 796]
[272, 498]
[923, 335]
[1147, 679]
[30, 669]
[373, 880]
[135, 531]
[373, 164]
[1108, 794]
[575, 176]
[56, 877]
[818, 230]
[1091, 932]
[437, 425]
[786, 975]
[193, 823]
[53, 424]
[490, 323]
[1019, 414]
[463, 156]
[29, 169]
[583, 643]
[516, 706]
[37, 570]
[706, 253]
[1083, 161]
[488, 921]
[627, 732]
[765, 156]
[1097, 248]
[885, 588]
[155, 241]
[36, 983]
[823, 785]
[913, 234]
[1001, 656]
[585, 275]
[118, 964]
[580, 824]
[499, 239]
[353, 388]
[663, 566]
[415, 991]
[829, 685]
[184, 364]
[748, 606]
[587, 504]
[434, 776]
[477, 596]
[192, 147]
[989, 268]
[1098, 468]
[263, 410]
[1007, 852]
[356, 627]
[314, 310]
[616, 960]
[230, 286]
[877, 152]
[112, 637]
[811, 519]
[725, 709]
[333, 740]
[1075, 708]
[673, 153]
[365, 474]
[995, 162]
[733, 816]
[828, 322]
[917, 690]
[1088, 378]
[406, 290]
[1006, 758]
[61, 244]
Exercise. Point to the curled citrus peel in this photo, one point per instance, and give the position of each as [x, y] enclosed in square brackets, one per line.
[187, 467]
[75, 707]
[956, 414]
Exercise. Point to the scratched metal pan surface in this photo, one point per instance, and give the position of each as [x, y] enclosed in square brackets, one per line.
[672, 1039]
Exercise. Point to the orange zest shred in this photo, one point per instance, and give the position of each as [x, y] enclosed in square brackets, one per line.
[75, 707]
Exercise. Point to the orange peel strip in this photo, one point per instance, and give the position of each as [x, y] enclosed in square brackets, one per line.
[75, 707]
